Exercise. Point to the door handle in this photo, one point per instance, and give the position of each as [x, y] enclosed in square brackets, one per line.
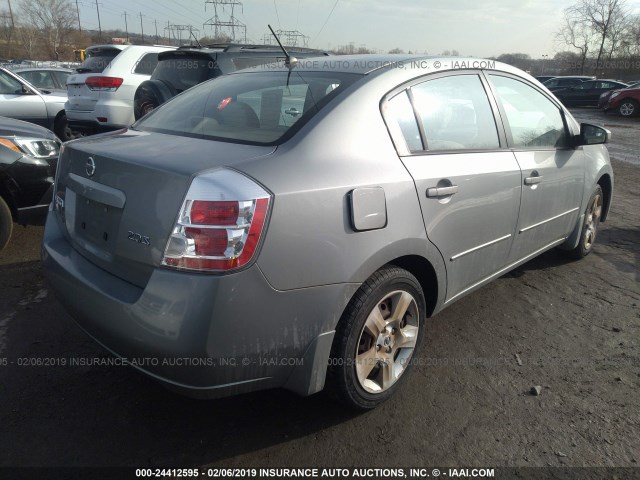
[532, 180]
[293, 111]
[441, 191]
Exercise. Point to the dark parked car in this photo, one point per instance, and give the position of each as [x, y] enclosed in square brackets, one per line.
[544, 78]
[587, 94]
[604, 97]
[626, 102]
[28, 157]
[559, 83]
[180, 69]
[279, 227]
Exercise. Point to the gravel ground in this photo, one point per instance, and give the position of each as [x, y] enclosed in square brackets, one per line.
[572, 328]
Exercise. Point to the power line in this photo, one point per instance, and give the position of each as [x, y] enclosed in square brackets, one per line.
[325, 22]
[277, 14]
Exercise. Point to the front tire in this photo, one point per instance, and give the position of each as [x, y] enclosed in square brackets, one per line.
[376, 338]
[6, 224]
[628, 108]
[592, 216]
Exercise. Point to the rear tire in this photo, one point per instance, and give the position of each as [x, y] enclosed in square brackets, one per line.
[63, 131]
[628, 108]
[149, 95]
[6, 224]
[376, 338]
[589, 231]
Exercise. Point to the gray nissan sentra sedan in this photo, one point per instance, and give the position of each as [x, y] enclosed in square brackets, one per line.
[295, 225]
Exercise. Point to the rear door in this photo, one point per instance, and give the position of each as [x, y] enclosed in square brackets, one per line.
[467, 184]
[552, 171]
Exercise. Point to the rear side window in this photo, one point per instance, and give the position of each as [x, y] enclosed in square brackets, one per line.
[146, 64]
[400, 111]
[41, 79]
[534, 120]
[261, 108]
[455, 114]
[97, 59]
[183, 72]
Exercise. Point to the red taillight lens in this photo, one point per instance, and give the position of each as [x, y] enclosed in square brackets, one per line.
[218, 235]
[209, 242]
[103, 83]
[214, 213]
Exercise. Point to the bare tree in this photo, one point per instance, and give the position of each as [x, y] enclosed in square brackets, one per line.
[603, 18]
[575, 32]
[28, 37]
[53, 18]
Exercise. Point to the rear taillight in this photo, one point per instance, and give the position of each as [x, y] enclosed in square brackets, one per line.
[220, 223]
[108, 84]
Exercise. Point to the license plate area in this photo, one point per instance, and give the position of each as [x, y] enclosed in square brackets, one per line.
[96, 223]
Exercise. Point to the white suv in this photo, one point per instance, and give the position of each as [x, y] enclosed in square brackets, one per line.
[101, 93]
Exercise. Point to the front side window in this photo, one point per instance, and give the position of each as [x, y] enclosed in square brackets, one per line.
[455, 114]
[533, 119]
[257, 108]
[9, 85]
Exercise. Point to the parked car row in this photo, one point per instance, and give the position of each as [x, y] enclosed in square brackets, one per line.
[606, 94]
[118, 84]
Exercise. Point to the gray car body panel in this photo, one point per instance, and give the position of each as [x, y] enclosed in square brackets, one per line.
[311, 260]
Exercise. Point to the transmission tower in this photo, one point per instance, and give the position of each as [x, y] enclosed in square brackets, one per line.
[226, 25]
[290, 38]
[177, 30]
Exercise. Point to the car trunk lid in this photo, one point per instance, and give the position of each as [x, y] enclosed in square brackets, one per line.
[118, 195]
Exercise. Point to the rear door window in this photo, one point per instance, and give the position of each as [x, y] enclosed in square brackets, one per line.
[455, 114]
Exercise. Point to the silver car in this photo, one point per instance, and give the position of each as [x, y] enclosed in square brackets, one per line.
[294, 225]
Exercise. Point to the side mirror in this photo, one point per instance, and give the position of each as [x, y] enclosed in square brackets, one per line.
[24, 90]
[592, 135]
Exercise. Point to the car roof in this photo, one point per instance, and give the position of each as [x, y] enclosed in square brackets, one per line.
[366, 64]
[42, 69]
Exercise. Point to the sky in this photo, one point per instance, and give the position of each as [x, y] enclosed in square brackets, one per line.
[480, 28]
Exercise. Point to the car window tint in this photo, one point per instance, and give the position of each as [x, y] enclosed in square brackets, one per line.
[9, 85]
[62, 78]
[146, 64]
[400, 111]
[39, 79]
[533, 119]
[183, 72]
[256, 108]
[455, 113]
[97, 59]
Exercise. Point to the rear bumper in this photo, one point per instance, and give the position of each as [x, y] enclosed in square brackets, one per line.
[91, 127]
[203, 335]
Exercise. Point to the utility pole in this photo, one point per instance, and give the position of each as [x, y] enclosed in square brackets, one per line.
[155, 22]
[99, 25]
[126, 26]
[78, 11]
[141, 29]
[13, 27]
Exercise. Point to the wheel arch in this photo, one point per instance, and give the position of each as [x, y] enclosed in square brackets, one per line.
[606, 183]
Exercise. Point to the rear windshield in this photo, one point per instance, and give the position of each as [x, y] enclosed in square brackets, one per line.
[184, 72]
[263, 108]
[97, 59]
